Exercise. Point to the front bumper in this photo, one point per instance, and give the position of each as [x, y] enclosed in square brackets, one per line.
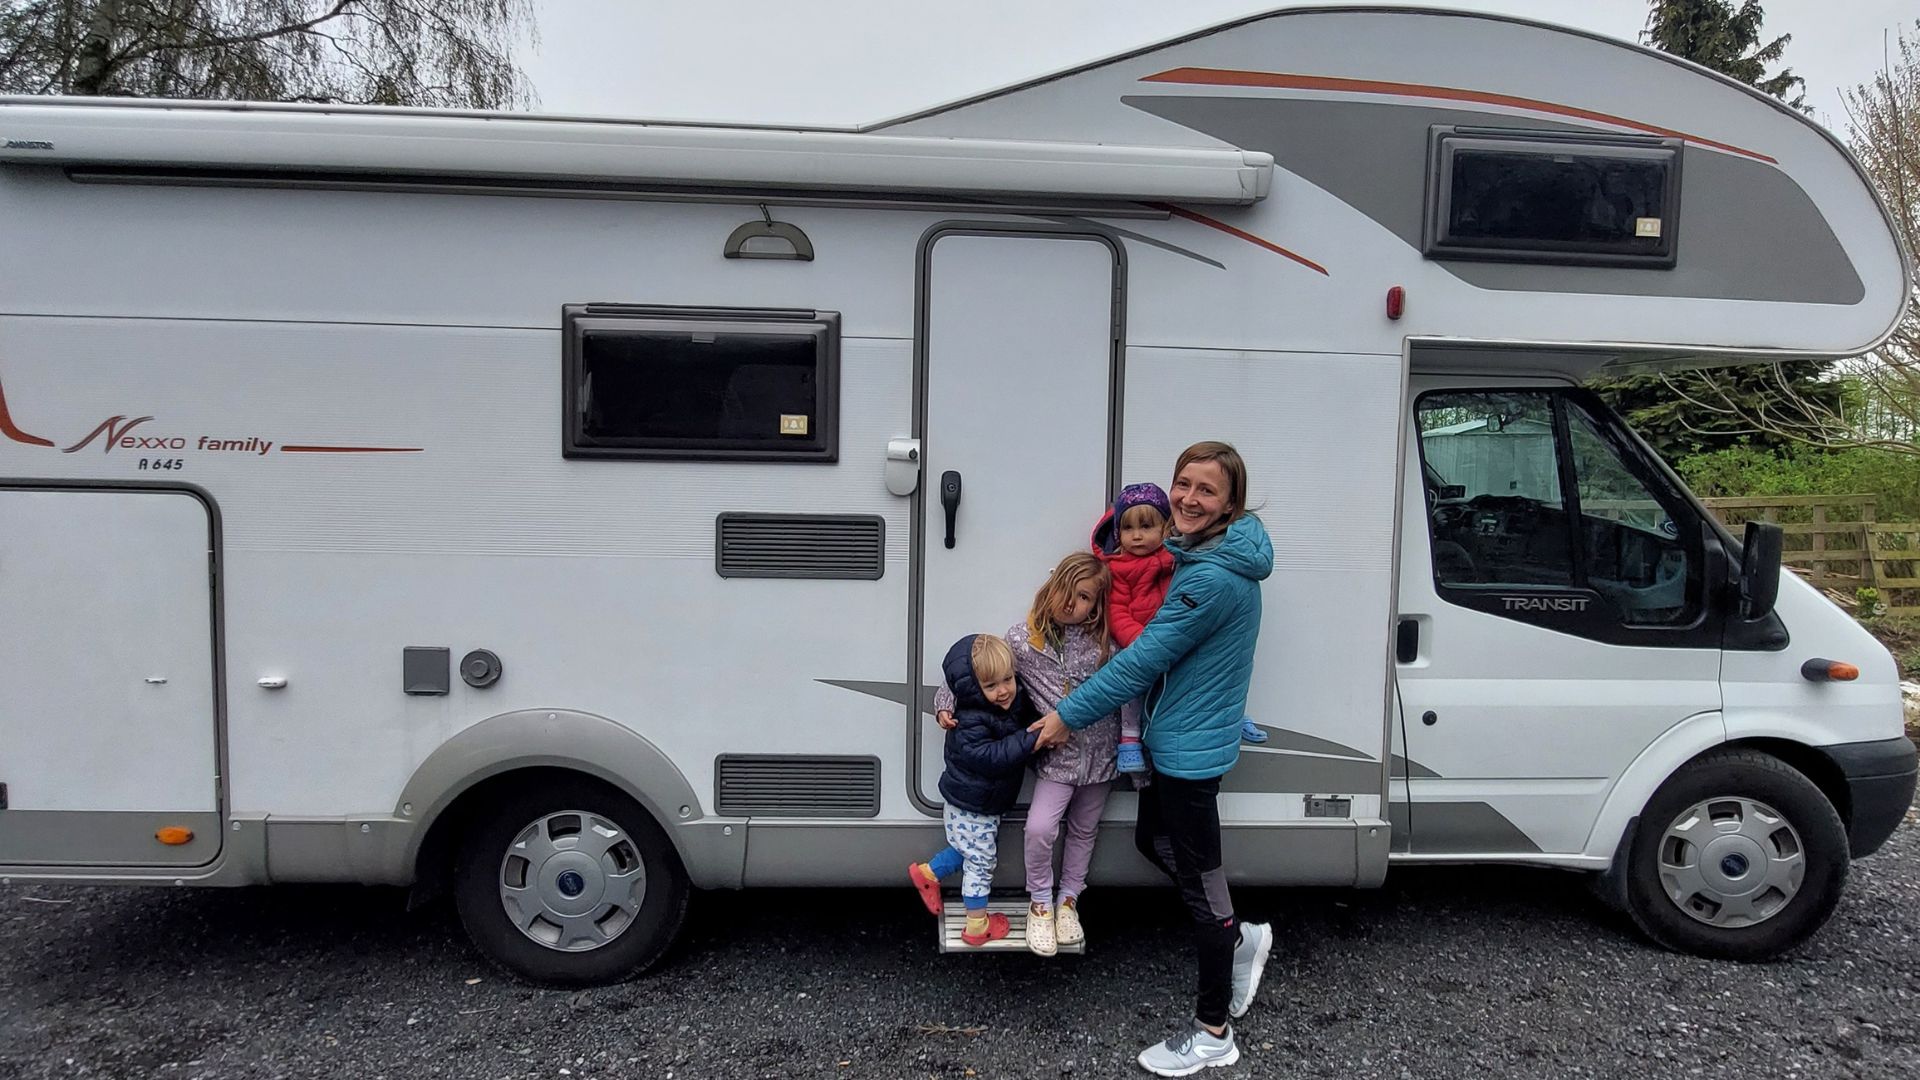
[1880, 781]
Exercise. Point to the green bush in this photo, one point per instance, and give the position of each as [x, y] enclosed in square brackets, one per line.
[1893, 478]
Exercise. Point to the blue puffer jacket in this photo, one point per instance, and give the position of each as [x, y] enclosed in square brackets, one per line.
[988, 748]
[1195, 658]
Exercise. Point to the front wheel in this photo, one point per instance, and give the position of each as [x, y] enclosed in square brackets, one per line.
[1738, 857]
[569, 884]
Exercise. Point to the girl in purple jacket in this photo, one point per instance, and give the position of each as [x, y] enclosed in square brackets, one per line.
[1063, 641]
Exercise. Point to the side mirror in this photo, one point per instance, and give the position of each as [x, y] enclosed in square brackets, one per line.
[1760, 569]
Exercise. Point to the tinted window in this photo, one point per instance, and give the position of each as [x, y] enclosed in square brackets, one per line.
[1614, 549]
[646, 386]
[1632, 551]
[1554, 201]
[1493, 489]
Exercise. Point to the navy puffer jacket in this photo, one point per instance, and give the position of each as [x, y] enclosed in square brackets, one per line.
[988, 748]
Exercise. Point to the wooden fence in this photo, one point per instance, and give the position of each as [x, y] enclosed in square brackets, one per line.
[1836, 543]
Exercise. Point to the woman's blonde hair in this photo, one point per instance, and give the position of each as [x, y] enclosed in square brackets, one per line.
[1230, 463]
[1043, 624]
[992, 659]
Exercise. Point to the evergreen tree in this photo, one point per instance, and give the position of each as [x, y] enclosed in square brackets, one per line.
[1715, 34]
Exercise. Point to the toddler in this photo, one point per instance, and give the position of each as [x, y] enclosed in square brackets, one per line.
[987, 748]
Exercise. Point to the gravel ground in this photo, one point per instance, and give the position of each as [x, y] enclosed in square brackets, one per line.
[1444, 973]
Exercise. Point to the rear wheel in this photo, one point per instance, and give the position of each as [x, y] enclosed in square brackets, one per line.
[570, 884]
[1739, 856]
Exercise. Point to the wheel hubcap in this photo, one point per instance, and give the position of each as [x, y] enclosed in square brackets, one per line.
[572, 881]
[1731, 862]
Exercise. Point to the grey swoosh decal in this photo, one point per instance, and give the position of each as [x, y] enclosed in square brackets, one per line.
[1292, 777]
[895, 692]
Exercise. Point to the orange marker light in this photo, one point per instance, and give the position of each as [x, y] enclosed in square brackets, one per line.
[1821, 669]
[174, 835]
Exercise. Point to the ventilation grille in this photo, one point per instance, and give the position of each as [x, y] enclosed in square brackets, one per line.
[796, 785]
[800, 546]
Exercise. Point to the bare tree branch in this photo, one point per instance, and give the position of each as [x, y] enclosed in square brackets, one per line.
[414, 52]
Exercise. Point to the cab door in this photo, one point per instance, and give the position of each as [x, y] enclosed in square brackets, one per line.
[1553, 617]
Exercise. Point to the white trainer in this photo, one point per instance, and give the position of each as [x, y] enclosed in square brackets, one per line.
[1249, 962]
[1189, 1052]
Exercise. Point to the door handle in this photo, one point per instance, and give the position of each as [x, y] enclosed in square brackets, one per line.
[1406, 644]
[950, 499]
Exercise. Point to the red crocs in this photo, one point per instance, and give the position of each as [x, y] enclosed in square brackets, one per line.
[927, 885]
[997, 928]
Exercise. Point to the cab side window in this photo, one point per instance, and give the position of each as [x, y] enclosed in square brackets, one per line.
[1542, 510]
[1493, 490]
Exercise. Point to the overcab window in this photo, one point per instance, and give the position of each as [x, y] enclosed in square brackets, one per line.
[1518, 196]
[701, 384]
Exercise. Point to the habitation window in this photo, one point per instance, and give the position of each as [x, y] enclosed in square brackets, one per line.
[1548, 197]
[701, 384]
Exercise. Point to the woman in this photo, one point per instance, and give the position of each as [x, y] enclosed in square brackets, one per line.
[1194, 661]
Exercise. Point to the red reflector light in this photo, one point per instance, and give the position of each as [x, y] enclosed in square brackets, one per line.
[1396, 302]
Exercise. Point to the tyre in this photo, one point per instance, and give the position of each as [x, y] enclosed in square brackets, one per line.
[1738, 857]
[569, 884]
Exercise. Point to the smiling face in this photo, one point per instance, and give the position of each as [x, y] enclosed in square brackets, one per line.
[1200, 496]
[1000, 691]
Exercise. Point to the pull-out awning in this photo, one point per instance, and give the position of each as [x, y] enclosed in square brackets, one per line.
[108, 133]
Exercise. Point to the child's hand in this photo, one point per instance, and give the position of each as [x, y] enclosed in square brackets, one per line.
[945, 720]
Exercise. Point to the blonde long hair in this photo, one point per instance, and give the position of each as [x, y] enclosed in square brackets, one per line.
[1043, 624]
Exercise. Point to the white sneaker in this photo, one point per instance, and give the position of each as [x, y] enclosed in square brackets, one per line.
[1040, 937]
[1188, 1053]
[1249, 962]
[1066, 923]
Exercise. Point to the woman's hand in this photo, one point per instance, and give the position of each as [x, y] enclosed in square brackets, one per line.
[1053, 731]
[945, 720]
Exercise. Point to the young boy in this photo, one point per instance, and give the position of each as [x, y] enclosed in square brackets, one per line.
[986, 753]
[1131, 540]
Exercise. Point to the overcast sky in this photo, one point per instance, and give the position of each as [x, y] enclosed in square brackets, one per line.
[844, 62]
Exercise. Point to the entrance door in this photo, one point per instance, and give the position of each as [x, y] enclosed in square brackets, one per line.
[1017, 395]
[1554, 622]
[107, 719]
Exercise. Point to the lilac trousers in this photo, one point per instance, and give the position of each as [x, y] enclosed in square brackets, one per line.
[1079, 807]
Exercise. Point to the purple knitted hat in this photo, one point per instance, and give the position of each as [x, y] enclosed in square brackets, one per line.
[1142, 494]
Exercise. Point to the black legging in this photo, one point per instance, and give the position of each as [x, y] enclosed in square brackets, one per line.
[1178, 830]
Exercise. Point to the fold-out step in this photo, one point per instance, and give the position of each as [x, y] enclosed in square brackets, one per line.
[953, 921]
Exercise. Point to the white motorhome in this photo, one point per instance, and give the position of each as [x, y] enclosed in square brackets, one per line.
[566, 511]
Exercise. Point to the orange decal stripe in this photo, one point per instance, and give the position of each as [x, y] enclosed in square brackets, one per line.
[1183, 212]
[1284, 81]
[14, 433]
[350, 449]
